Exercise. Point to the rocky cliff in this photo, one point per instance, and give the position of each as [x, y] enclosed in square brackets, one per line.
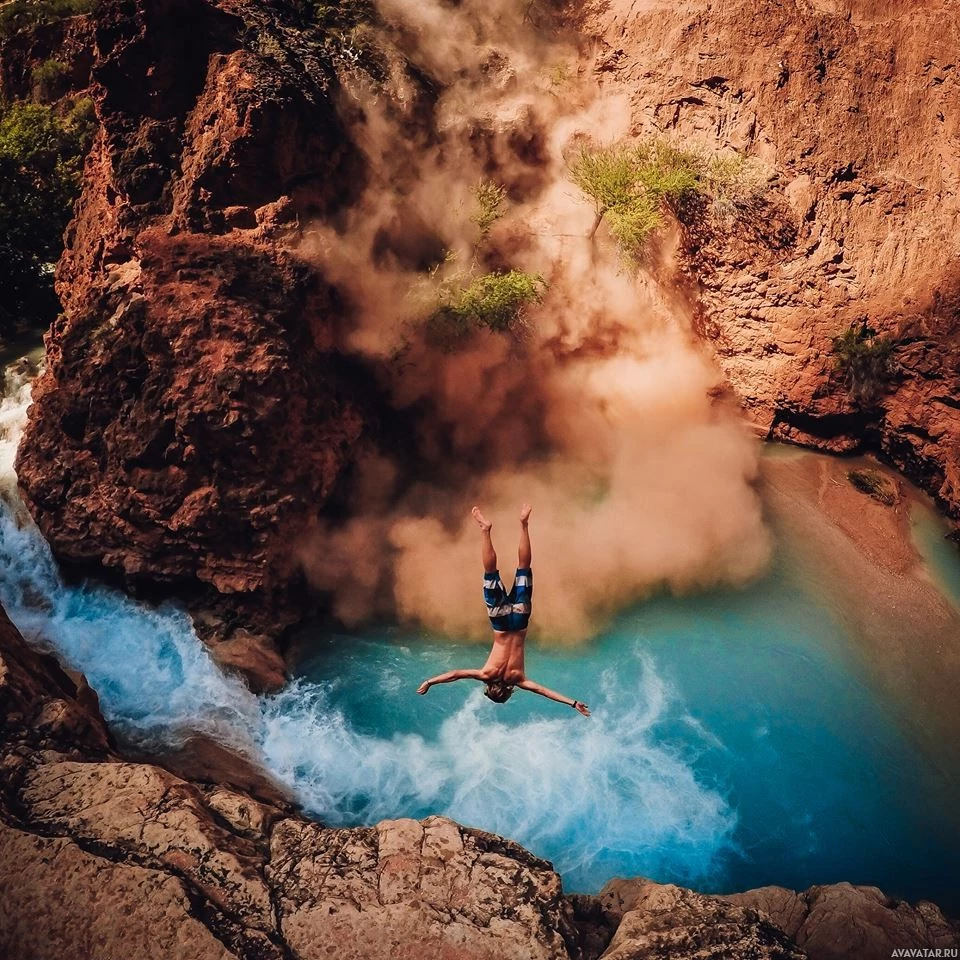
[102, 858]
[193, 401]
[853, 104]
[198, 408]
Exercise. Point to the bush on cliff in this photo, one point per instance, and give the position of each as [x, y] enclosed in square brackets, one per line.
[345, 35]
[865, 359]
[632, 185]
[490, 198]
[628, 186]
[17, 15]
[48, 79]
[40, 176]
[497, 301]
[340, 16]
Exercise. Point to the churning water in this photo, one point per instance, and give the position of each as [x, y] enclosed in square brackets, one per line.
[734, 741]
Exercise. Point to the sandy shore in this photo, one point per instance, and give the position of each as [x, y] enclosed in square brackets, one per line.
[860, 555]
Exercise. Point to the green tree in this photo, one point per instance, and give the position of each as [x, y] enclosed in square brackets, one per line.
[866, 360]
[17, 15]
[40, 177]
[630, 184]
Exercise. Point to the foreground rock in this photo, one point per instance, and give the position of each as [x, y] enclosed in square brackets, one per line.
[661, 920]
[842, 920]
[822, 923]
[104, 859]
[851, 103]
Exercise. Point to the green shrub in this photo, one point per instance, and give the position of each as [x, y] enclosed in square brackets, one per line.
[343, 35]
[875, 484]
[732, 182]
[40, 177]
[81, 117]
[490, 198]
[666, 171]
[630, 185]
[865, 359]
[559, 76]
[48, 78]
[496, 301]
[17, 15]
[340, 16]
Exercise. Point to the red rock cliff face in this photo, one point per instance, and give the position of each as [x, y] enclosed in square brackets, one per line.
[193, 405]
[854, 104]
[196, 408]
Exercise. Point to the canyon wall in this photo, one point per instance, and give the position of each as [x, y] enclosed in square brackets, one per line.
[192, 400]
[199, 410]
[853, 104]
[103, 858]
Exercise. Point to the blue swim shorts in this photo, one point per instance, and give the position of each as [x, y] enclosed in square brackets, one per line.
[508, 611]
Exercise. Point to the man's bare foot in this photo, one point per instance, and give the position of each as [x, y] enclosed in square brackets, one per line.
[485, 524]
[525, 512]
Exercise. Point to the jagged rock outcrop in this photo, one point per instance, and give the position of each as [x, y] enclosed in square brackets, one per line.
[842, 920]
[822, 923]
[662, 920]
[194, 403]
[852, 103]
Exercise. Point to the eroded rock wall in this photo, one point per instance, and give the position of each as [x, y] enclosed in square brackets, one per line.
[198, 407]
[853, 104]
[194, 404]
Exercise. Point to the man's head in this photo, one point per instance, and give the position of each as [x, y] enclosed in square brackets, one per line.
[498, 691]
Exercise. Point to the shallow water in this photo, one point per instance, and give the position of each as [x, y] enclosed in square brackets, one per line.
[734, 740]
[941, 556]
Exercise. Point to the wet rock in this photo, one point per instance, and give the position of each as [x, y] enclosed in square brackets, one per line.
[252, 656]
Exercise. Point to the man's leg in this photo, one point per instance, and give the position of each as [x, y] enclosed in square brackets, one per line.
[524, 554]
[487, 552]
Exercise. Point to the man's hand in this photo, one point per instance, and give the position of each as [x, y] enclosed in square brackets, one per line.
[581, 708]
[424, 687]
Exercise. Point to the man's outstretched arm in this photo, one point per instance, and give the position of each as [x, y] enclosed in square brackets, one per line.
[449, 677]
[535, 687]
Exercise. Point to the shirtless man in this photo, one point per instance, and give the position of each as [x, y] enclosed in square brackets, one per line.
[509, 615]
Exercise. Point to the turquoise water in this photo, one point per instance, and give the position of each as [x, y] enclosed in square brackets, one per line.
[734, 741]
[942, 556]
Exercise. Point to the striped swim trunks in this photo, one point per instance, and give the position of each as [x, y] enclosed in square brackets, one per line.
[508, 611]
